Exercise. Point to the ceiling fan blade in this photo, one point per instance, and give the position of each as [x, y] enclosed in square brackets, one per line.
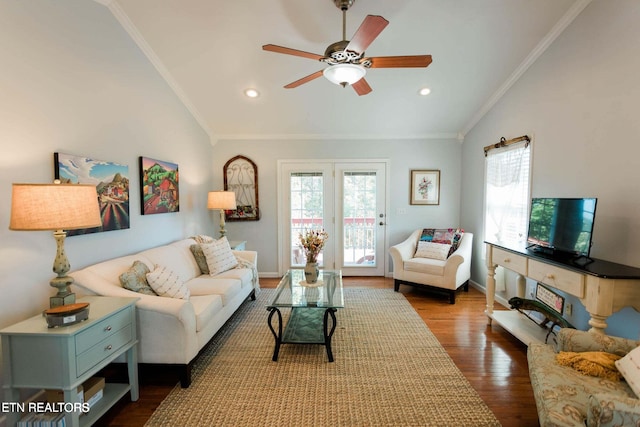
[289, 51]
[362, 87]
[367, 32]
[304, 80]
[400, 61]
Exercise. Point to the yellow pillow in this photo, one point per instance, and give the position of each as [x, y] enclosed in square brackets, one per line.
[593, 363]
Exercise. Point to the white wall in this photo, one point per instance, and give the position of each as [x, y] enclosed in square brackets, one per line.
[580, 102]
[402, 155]
[72, 81]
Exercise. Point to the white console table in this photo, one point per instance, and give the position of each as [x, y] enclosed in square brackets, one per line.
[603, 287]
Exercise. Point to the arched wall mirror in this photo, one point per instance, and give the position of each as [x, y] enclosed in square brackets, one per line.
[241, 177]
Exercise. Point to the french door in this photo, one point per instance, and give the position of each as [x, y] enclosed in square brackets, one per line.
[348, 200]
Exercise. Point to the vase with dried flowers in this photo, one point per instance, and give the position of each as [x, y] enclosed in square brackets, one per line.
[312, 242]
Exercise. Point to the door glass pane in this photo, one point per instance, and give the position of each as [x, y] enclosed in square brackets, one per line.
[359, 217]
[306, 211]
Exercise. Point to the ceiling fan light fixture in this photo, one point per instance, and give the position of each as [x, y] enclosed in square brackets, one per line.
[424, 91]
[344, 74]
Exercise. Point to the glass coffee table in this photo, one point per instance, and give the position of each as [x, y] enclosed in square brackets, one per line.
[312, 319]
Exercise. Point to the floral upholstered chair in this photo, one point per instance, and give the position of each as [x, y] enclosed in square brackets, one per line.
[566, 397]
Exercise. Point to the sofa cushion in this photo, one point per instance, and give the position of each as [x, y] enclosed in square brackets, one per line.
[135, 278]
[219, 256]
[425, 265]
[629, 367]
[207, 285]
[244, 275]
[432, 250]
[205, 307]
[166, 283]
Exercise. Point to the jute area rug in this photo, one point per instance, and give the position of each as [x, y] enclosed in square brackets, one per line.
[389, 370]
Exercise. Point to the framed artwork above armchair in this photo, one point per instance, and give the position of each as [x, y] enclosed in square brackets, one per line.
[241, 177]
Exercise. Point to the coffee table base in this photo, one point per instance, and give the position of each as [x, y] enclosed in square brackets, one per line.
[305, 326]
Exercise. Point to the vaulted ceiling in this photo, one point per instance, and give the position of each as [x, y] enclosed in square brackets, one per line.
[210, 51]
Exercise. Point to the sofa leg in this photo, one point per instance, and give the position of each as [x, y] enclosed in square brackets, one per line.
[466, 286]
[452, 297]
[396, 285]
[185, 375]
[253, 295]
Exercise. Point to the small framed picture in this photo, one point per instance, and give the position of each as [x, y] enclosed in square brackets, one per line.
[425, 187]
[550, 298]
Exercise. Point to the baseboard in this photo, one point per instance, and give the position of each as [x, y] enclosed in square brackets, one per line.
[269, 275]
[499, 299]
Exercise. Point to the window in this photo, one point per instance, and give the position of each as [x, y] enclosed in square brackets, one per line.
[507, 193]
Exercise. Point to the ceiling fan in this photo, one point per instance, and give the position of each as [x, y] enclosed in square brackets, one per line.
[346, 59]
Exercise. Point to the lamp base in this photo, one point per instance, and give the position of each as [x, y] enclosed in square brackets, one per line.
[67, 315]
[64, 296]
[62, 299]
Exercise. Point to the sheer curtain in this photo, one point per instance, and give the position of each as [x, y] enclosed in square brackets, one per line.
[507, 196]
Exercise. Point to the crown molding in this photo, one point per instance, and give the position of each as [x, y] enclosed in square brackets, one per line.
[137, 37]
[335, 137]
[533, 56]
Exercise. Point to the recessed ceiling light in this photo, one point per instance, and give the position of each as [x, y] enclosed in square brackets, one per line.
[424, 91]
[251, 93]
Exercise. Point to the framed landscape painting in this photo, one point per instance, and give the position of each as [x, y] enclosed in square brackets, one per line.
[158, 186]
[112, 185]
[425, 187]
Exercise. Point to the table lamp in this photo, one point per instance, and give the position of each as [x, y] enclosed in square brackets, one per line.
[55, 207]
[223, 200]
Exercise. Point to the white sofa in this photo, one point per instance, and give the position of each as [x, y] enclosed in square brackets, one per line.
[173, 330]
[445, 275]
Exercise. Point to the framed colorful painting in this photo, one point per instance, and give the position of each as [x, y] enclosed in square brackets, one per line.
[159, 191]
[425, 187]
[112, 185]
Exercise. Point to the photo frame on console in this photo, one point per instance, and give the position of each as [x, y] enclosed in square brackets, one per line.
[554, 300]
[425, 187]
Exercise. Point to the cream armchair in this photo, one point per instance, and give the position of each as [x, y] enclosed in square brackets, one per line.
[443, 275]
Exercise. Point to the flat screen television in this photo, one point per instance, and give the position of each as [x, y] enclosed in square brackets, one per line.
[562, 224]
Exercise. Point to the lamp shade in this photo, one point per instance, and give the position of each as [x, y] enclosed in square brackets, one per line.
[344, 74]
[54, 207]
[224, 200]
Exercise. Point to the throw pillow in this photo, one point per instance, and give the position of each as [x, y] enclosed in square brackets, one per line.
[201, 260]
[432, 250]
[166, 283]
[219, 256]
[438, 235]
[135, 279]
[457, 236]
[629, 367]
[593, 363]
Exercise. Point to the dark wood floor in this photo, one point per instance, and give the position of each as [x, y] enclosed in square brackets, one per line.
[494, 362]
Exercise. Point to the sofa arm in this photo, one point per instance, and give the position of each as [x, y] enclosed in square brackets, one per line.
[251, 256]
[608, 410]
[579, 341]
